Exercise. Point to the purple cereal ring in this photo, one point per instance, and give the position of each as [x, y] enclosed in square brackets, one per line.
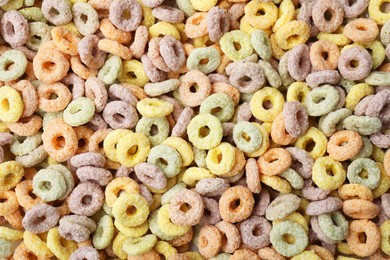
[302, 162]
[1, 154]
[153, 73]
[305, 15]
[97, 122]
[120, 92]
[86, 199]
[312, 193]
[296, 118]
[218, 77]
[146, 193]
[177, 106]
[155, 56]
[299, 65]
[182, 122]
[378, 106]
[151, 175]
[326, 205]
[85, 253]
[116, 14]
[244, 112]
[217, 23]
[211, 187]
[96, 91]
[14, 28]
[5, 138]
[347, 59]
[76, 84]
[211, 214]
[190, 217]
[123, 172]
[58, 12]
[235, 12]
[249, 70]
[40, 218]
[255, 232]
[361, 107]
[318, 78]
[89, 52]
[342, 97]
[262, 203]
[97, 175]
[320, 18]
[172, 51]
[355, 8]
[381, 139]
[385, 198]
[119, 114]
[152, 3]
[168, 14]
[314, 240]
[73, 231]
[88, 159]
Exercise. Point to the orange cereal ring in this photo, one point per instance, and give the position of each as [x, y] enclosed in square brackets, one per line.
[8, 202]
[322, 252]
[59, 140]
[137, 91]
[361, 30]
[29, 96]
[372, 234]
[26, 126]
[386, 162]
[115, 48]
[15, 218]
[385, 67]
[269, 253]
[83, 134]
[196, 25]
[344, 145]
[23, 192]
[80, 69]
[45, 93]
[324, 55]
[95, 144]
[236, 204]
[23, 253]
[239, 164]
[354, 190]
[274, 161]
[65, 40]
[244, 254]
[50, 66]
[360, 209]
[209, 241]
[111, 32]
[278, 132]
[229, 90]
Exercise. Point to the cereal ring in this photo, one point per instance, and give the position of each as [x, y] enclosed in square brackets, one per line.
[295, 118]
[320, 20]
[372, 241]
[14, 28]
[243, 71]
[207, 234]
[323, 48]
[227, 45]
[229, 207]
[260, 98]
[86, 199]
[354, 63]
[41, 218]
[190, 217]
[205, 131]
[344, 145]
[281, 246]
[282, 206]
[321, 177]
[373, 173]
[361, 30]
[116, 14]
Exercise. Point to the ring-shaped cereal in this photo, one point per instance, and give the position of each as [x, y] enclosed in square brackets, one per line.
[130, 68]
[292, 34]
[164, 28]
[321, 100]
[209, 241]
[37, 245]
[351, 70]
[9, 202]
[146, 125]
[19, 64]
[210, 54]
[62, 93]
[219, 167]
[154, 107]
[203, 5]
[313, 135]
[194, 88]
[182, 147]
[205, 131]
[271, 95]
[321, 177]
[139, 245]
[166, 225]
[228, 41]
[236, 204]
[110, 142]
[85, 18]
[65, 40]
[11, 105]
[79, 112]
[344, 145]
[220, 102]
[269, 14]
[189, 217]
[375, 11]
[273, 162]
[166, 158]
[60, 140]
[29, 96]
[23, 193]
[372, 234]
[11, 173]
[355, 169]
[361, 30]
[196, 25]
[117, 185]
[61, 248]
[110, 70]
[318, 50]
[297, 91]
[132, 149]
[334, 225]
[320, 20]
[49, 185]
[117, 17]
[131, 209]
[247, 136]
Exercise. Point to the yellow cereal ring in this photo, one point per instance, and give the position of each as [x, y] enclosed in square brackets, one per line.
[117, 246]
[205, 131]
[131, 209]
[385, 234]
[116, 186]
[221, 159]
[163, 28]
[277, 51]
[165, 249]
[357, 93]
[296, 217]
[286, 14]
[10, 234]
[297, 91]
[384, 182]
[264, 142]
[266, 94]
[193, 174]
[139, 245]
[265, 20]
[170, 183]
[147, 17]
[154, 107]
[36, 244]
[111, 141]
[133, 149]
[343, 248]
[337, 37]
[292, 34]
[245, 26]
[228, 47]
[133, 72]
[313, 135]
[276, 183]
[165, 224]
[375, 12]
[306, 255]
[183, 148]
[377, 154]
[11, 105]
[11, 173]
[320, 175]
[60, 247]
[132, 231]
[378, 53]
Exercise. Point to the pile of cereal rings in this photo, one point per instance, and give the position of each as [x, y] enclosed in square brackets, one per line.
[195, 129]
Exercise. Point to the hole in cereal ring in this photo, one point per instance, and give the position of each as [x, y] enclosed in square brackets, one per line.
[8, 65]
[363, 174]
[329, 172]
[162, 161]
[5, 104]
[59, 142]
[126, 14]
[351, 2]
[245, 79]
[2, 200]
[84, 18]
[131, 74]
[293, 38]
[216, 110]
[53, 12]
[325, 55]
[204, 131]
[39, 219]
[235, 204]
[32, 195]
[9, 28]
[82, 142]
[362, 238]
[288, 238]
[354, 63]
[260, 12]
[385, 7]
[185, 207]
[256, 232]
[7, 178]
[53, 96]
[131, 210]
[194, 88]
[119, 118]
[223, 238]
[204, 61]
[46, 185]
[49, 65]
[153, 130]
[328, 15]
[86, 200]
[237, 46]
[301, 96]
[246, 137]
[309, 146]
[219, 158]
[133, 150]
[267, 104]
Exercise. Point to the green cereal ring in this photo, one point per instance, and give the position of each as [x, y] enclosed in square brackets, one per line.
[107, 209]
[284, 248]
[346, 84]
[270, 74]
[261, 44]
[287, 80]
[282, 206]
[159, 88]
[5, 248]
[378, 78]
[110, 70]
[33, 14]
[139, 245]
[208, 54]
[39, 34]
[355, 170]
[15, 58]
[228, 41]
[29, 2]
[295, 180]
[68, 177]
[185, 6]
[48, 117]
[22, 145]
[155, 128]
[366, 149]
[155, 229]
[247, 136]
[334, 225]
[333, 121]
[167, 196]
[167, 159]
[104, 233]
[49, 185]
[79, 112]
[205, 131]
[321, 100]
[199, 157]
[221, 256]
[246, 97]
[12, 5]
[85, 18]
[364, 125]
[219, 105]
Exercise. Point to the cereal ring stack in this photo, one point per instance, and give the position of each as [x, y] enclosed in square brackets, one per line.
[194, 129]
